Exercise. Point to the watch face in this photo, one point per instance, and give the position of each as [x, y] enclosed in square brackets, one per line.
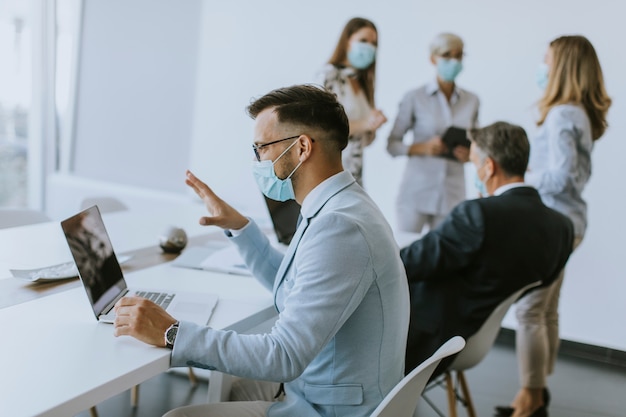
[171, 334]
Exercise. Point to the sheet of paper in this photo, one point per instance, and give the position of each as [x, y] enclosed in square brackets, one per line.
[65, 270]
[221, 259]
[226, 260]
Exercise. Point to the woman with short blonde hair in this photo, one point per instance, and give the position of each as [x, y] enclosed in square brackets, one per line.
[434, 177]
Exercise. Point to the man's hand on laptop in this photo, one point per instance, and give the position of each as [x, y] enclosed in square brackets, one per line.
[141, 319]
[221, 214]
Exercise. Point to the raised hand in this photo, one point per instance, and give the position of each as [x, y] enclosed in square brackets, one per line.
[221, 214]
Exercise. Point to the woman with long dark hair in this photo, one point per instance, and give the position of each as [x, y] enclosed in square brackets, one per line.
[350, 73]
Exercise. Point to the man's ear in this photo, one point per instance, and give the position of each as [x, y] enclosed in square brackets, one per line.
[305, 146]
[490, 167]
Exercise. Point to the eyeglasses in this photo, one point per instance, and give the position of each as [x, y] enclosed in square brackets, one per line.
[256, 148]
[450, 55]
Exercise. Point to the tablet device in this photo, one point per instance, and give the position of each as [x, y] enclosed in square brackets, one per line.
[455, 136]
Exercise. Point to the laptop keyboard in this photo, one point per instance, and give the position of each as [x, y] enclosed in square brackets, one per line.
[160, 298]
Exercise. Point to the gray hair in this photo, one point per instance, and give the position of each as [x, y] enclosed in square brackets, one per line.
[445, 42]
[506, 144]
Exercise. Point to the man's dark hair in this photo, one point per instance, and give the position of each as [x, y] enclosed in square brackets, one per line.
[308, 106]
[505, 143]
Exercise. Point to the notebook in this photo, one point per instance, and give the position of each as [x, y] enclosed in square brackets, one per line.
[103, 280]
[224, 257]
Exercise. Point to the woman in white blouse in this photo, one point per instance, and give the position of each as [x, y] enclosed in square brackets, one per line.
[572, 116]
[434, 180]
[350, 74]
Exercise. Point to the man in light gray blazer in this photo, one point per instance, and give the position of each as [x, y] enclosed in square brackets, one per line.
[340, 289]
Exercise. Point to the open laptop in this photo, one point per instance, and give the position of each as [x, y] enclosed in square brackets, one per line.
[104, 283]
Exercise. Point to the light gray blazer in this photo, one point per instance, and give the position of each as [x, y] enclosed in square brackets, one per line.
[431, 184]
[342, 296]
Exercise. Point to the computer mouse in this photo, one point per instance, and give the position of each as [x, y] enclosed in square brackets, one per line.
[173, 240]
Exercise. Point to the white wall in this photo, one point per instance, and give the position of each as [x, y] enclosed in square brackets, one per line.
[135, 91]
[247, 48]
[246, 51]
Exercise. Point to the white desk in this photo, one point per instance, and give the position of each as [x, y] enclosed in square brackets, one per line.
[58, 360]
[62, 362]
[43, 244]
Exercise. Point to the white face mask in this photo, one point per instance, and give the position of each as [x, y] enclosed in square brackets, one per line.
[269, 184]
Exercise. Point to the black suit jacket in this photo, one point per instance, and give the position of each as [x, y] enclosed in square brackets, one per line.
[484, 251]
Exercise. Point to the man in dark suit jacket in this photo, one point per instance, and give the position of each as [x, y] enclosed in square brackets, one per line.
[485, 249]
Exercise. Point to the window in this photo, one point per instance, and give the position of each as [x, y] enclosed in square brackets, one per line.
[38, 43]
[15, 100]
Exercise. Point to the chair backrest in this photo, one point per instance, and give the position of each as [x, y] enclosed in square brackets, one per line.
[104, 203]
[479, 344]
[402, 399]
[21, 217]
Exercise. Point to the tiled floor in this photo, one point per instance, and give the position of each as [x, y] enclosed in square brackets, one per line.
[579, 388]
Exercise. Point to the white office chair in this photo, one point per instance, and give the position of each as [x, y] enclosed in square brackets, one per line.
[476, 348]
[20, 217]
[402, 399]
[106, 204]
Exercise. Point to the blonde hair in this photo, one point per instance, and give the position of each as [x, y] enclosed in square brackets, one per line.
[445, 42]
[576, 77]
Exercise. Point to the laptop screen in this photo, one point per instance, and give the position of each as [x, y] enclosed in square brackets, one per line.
[284, 216]
[95, 260]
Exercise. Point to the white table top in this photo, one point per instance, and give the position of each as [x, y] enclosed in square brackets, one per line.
[43, 244]
[59, 360]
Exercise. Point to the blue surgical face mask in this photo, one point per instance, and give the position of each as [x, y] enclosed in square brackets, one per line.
[269, 184]
[448, 68]
[480, 185]
[361, 54]
[542, 74]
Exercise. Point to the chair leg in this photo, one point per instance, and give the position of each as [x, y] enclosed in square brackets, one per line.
[471, 412]
[93, 412]
[134, 396]
[451, 395]
[192, 377]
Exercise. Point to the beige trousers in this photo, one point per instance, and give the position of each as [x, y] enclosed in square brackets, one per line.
[248, 398]
[537, 336]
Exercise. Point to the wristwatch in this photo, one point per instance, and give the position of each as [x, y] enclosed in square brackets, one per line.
[170, 335]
